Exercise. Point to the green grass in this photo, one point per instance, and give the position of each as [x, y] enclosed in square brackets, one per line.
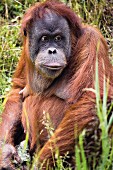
[102, 114]
[10, 49]
[93, 12]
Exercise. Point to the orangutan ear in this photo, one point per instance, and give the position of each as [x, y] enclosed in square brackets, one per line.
[25, 32]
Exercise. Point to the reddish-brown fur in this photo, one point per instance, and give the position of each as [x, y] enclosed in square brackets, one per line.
[73, 108]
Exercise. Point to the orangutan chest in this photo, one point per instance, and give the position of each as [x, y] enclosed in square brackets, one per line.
[42, 116]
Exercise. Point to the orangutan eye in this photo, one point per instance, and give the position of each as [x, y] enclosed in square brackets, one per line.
[58, 38]
[44, 38]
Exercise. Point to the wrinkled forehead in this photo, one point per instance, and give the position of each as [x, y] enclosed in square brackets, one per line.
[51, 22]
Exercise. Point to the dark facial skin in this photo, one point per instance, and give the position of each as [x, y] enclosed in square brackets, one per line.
[50, 47]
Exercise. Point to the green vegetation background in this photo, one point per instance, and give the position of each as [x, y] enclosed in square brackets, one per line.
[94, 12]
